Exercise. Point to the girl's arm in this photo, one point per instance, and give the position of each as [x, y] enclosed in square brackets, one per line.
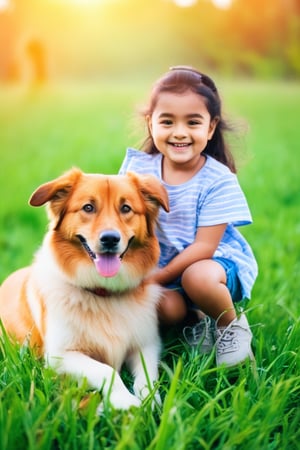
[204, 246]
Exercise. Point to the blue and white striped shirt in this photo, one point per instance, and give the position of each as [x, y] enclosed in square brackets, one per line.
[213, 196]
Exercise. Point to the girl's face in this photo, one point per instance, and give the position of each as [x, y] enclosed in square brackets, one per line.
[181, 126]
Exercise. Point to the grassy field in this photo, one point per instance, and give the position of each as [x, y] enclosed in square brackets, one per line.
[43, 134]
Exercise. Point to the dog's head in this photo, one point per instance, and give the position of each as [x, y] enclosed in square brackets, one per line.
[105, 222]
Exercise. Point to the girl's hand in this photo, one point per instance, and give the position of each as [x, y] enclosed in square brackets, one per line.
[155, 277]
[205, 244]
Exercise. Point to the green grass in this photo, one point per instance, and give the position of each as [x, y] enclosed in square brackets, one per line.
[43, 134]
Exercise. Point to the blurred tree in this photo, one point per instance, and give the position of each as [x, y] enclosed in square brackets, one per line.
[8, 68]
[252, 37]
[37, 56]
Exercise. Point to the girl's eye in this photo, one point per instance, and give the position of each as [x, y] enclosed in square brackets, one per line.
[166, 122]
[125, 209]
[193, 123]
[88, 208]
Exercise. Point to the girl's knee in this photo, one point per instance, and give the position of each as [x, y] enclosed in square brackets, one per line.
[203, 274]
[172, 308]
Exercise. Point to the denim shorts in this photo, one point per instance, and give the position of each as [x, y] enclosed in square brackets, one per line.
[232, 282]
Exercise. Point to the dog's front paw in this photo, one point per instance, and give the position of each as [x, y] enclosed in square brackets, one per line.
[123, 400]
[120, 401]
[147, 394]
[157, 399]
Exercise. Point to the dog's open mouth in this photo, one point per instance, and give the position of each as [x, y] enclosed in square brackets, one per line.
[107, 264]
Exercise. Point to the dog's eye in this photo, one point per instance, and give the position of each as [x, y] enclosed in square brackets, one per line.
[125, 209]
[88, 208]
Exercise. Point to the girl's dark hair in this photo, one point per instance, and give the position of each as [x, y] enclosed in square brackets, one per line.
[183, 78]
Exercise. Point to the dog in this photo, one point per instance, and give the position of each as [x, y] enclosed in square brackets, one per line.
[85, 303]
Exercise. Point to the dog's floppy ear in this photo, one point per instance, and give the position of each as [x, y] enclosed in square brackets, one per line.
[56, 192]
[152, 189]
[155, 195]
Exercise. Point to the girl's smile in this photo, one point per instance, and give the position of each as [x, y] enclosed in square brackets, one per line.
[179, 146]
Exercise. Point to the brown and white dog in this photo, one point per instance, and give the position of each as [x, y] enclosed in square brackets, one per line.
[85, 303]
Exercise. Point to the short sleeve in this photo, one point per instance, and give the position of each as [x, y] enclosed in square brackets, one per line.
[224, 202]
[124, 166]
[140, 162]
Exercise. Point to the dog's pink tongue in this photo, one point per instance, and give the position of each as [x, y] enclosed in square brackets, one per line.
[107, 265]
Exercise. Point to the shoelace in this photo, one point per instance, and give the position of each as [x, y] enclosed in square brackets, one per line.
[226, 341]
[198, 332]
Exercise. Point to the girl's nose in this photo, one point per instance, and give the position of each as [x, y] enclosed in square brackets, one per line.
[179, 131]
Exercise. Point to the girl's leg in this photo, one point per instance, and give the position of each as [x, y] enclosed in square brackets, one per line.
[205, 284]
[172, 308]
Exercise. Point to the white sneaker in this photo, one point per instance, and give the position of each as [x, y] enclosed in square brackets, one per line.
[200, 335]
[233, 343]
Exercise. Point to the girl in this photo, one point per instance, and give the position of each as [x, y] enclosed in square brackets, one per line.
[205, 262]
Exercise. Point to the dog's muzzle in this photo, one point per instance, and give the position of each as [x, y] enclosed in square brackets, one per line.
[109, 241]
[108, 260]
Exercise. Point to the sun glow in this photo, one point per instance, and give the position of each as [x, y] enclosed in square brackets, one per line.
[87, 5]
[222, 4]
[185, 3]
[4, 4]
[84, 2]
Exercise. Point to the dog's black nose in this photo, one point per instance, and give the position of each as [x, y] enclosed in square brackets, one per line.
[109, 239]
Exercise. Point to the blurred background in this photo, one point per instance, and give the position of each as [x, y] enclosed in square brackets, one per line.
[73, 74]
[47, 40]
